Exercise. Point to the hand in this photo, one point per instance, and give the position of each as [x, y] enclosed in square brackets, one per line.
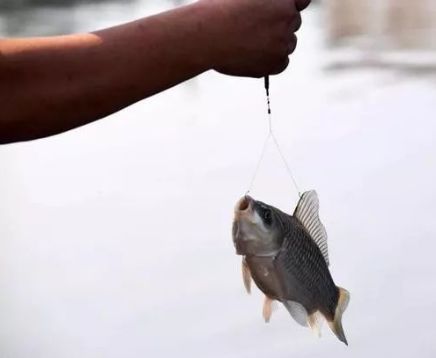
[253, 37]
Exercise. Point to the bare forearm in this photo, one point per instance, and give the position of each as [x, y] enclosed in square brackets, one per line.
[50, 85]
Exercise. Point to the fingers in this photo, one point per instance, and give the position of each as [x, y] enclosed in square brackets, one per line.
[262, 44]
[292, 44]
[296, 22]
[283, 63]
[301, 4]
[280, 67]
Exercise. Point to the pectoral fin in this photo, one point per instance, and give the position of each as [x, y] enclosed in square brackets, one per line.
[246, 276]
[267, 308]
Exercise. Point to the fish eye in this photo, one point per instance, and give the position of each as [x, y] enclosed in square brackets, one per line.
[267, 216]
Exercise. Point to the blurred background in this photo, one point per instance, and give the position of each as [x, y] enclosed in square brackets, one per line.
[115, 237]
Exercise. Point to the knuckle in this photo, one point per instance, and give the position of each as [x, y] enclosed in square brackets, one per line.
[296, 22]
[280, 66]
[284, 50]
[293, 44]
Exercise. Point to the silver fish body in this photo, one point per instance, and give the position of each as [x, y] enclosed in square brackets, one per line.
[287, 258]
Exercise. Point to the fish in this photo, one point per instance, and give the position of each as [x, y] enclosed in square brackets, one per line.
[287, 258]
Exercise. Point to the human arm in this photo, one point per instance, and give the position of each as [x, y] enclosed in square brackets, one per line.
[53, 84]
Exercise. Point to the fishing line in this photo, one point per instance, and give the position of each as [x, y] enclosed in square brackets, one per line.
[271, 136]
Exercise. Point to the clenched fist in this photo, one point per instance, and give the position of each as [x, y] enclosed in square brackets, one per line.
[253, 37]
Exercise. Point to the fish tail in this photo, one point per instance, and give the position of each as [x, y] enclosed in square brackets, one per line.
[336, 324]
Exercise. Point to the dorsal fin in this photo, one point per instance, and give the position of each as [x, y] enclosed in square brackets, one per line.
[307, 212]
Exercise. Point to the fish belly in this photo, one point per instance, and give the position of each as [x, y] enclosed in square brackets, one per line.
[264, 275]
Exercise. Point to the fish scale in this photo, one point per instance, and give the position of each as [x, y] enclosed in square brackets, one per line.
[309, 267]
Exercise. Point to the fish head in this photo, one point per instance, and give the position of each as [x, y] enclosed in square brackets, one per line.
[257, 228]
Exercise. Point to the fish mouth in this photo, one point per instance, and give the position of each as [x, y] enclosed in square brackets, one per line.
[244, 205]
[244, 213]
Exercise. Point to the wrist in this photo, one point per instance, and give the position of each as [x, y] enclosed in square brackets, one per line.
[208, 26]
